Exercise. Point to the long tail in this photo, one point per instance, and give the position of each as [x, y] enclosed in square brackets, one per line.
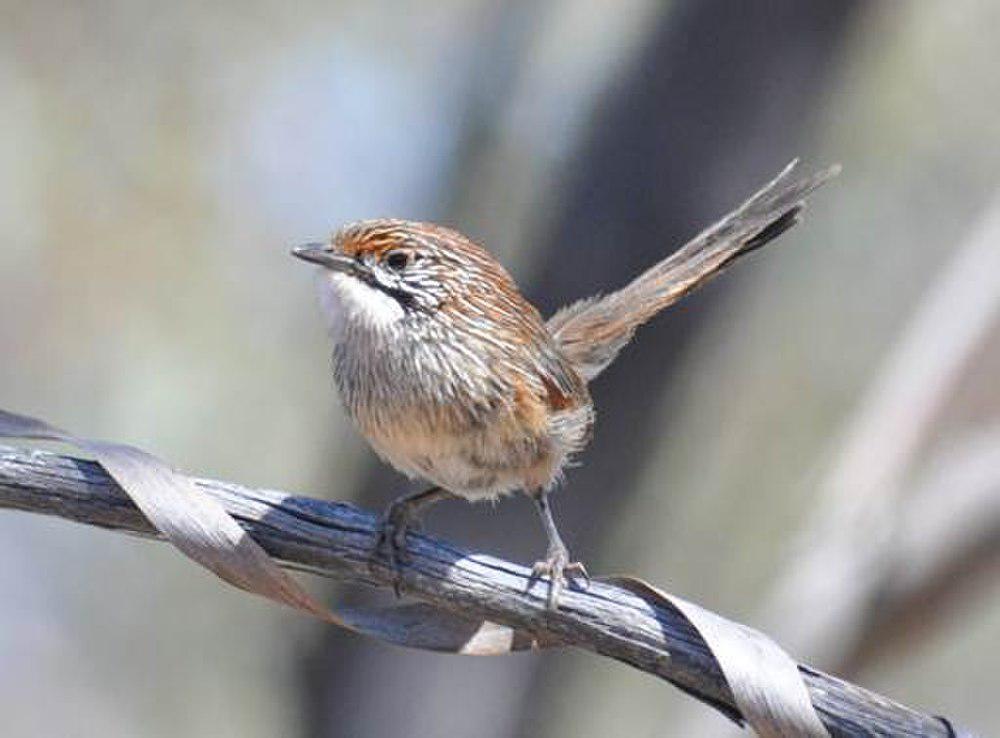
[592, 331]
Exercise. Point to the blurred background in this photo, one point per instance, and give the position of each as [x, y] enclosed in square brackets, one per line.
[810, 445]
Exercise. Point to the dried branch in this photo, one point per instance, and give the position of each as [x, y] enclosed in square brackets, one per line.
[335, 539]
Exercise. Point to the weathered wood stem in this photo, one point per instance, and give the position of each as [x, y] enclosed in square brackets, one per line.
[335, 539]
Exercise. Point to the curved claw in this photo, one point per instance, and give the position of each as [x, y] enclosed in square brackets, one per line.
[576, 572]
[397, 521]
[560, 571]
[402, 516]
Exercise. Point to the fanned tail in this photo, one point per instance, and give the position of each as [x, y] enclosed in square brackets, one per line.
[592, 331]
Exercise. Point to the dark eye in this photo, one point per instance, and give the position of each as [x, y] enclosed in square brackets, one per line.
[398, 260]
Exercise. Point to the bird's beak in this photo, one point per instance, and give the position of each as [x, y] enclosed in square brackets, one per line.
[323, 254]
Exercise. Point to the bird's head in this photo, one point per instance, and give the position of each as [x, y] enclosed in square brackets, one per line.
[379, 273]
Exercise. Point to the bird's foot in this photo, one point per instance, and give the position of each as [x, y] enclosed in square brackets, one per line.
[398, 519]
[560, 571]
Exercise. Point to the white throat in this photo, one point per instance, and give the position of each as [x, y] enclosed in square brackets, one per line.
[351, 306]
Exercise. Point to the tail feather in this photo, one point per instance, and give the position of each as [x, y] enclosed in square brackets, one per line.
[592, 331]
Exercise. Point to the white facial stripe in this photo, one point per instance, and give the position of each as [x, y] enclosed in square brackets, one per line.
[348, 301]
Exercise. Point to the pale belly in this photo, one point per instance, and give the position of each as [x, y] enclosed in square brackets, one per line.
[479, 464]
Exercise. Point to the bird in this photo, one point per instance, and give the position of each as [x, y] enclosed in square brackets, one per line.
[454, 378]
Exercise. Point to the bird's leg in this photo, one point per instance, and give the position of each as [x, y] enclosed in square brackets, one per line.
[556, 564]
[402, 515]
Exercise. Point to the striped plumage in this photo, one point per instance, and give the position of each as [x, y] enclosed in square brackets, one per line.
[461, 384]
[452, 376]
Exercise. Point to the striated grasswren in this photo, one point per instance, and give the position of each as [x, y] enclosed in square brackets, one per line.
[453, 377]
